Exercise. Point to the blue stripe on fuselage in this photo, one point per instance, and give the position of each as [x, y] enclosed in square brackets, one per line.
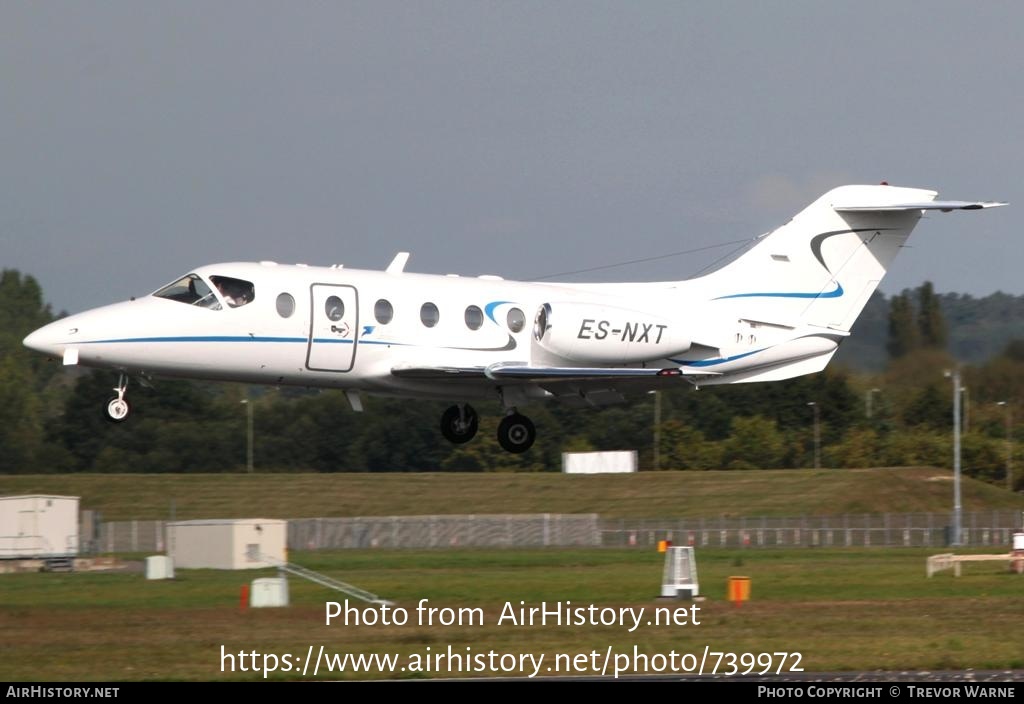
[831, 294]
[194, 338]
[235, 338]
[713, 362]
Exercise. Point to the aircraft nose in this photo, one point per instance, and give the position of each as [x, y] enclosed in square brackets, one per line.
[48, 339]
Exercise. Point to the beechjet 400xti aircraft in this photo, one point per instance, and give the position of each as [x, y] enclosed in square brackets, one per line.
[778, 311]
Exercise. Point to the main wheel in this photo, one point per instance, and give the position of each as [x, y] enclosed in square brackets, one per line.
[117, 410]
[459, 425]
[516, 433]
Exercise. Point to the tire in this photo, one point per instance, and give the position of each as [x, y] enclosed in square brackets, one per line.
[516, 433]
[454, 429]
[117, 410]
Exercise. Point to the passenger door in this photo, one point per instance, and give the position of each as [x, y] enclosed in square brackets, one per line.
[333, 328]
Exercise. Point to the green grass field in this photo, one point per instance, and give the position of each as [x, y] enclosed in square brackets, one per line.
[641, 495]
[840, 609]
[859, 609]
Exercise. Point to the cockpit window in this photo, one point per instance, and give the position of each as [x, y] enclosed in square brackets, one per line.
[192, 290]
[235, 292]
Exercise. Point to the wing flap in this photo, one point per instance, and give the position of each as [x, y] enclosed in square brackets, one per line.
[407, 372]
[592, 386]
[524, 372]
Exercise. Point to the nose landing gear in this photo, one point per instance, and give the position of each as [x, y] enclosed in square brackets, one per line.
[118, 408]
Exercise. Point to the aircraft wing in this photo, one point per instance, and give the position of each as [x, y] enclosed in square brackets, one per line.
[406, 372]
[525, 372]
[591, 386]
[578, 386]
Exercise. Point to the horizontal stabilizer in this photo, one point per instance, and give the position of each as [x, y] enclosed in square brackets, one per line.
[943, 205]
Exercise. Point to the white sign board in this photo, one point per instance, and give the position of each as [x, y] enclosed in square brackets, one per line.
[599, 462]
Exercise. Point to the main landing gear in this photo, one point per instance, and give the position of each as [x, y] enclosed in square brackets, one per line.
[516, 432]
[459, 423]
[118, 408]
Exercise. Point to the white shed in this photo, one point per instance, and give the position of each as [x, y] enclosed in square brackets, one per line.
[228, 544]
[38, 526]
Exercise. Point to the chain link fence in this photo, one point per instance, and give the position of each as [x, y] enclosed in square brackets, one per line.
[979, 529]
[129, 536]
[526, 531]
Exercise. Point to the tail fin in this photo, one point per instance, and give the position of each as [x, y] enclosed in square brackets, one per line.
[821, 267]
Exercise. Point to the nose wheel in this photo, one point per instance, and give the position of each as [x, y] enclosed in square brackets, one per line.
[118, 408]
[516, 433]
[459, 423]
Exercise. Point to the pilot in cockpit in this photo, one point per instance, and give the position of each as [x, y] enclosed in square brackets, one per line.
[228, 297]
[235, 293]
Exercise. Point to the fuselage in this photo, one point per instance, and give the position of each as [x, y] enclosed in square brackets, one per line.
[343, 328]
[312, 326]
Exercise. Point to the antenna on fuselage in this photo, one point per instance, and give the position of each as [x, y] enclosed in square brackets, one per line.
[397, 265]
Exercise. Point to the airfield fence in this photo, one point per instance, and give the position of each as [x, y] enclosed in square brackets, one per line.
[523, 530]
[130, 536]
[979, 529]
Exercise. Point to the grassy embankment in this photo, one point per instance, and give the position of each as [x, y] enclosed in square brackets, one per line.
[643, 495]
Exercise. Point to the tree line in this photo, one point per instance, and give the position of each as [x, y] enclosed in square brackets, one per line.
[51, 418]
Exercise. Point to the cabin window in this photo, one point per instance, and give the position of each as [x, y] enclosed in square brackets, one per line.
[335, 308]
[474, 318]
[429, 314]
[383, 311]
[285, 305]
[516, 319]
[235, 292]
[191, 290]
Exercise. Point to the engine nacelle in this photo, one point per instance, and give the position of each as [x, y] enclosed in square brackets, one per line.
[588, 333]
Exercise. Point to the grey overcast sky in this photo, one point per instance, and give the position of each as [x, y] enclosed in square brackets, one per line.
[141, 139]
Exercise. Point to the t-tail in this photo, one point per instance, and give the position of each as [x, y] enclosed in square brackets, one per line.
[810, 279]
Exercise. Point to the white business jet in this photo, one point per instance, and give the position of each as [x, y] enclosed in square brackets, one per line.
[780, 310]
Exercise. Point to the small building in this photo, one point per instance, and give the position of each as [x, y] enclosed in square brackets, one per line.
[228, 544]
[38, 526]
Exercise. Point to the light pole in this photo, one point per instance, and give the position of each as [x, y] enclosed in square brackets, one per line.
[817, 434]
[967, 409]
[657, 430]
[248, 428]
[1009, 445]
[955, 376]
[868, 399]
